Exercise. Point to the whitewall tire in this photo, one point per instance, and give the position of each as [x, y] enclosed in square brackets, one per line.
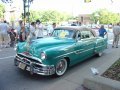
[61, 67]
[99, 54]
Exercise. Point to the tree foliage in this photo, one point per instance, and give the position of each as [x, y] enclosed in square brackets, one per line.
[2, 10]
[105, 17]
[49, 16]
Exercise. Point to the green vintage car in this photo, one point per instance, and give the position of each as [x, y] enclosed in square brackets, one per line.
[53, 55]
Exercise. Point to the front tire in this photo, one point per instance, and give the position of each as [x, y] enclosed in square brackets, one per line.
[99, 54]
[61, 67]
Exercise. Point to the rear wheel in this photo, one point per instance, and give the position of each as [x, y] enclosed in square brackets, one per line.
[99, 54]
[61, 67]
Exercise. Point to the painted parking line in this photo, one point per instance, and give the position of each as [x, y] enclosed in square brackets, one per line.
[7, 57]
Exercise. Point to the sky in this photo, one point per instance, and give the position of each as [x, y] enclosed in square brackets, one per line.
[76, 6]
[73, 7]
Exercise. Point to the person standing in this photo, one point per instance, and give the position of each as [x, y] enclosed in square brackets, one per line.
[12, 35]
[32, 31]
[39, 29]
[73, 24]
[51, 28]
[19, 28]
[102, 31]
[116, 33]
[22, 35]
[4, 37]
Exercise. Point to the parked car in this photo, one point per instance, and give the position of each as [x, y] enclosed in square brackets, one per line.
[67, 46]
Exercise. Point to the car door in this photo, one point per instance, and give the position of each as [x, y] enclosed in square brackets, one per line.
[86, 44]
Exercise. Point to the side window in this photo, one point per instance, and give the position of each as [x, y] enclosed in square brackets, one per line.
[78, 35]
[91, 34]
[86, 34]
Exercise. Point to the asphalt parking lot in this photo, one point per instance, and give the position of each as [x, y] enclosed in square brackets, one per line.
[12, 78]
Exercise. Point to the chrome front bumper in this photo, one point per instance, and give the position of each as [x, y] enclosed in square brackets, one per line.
[33, 66]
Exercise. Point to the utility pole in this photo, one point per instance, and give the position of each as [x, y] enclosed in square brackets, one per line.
[26, 12]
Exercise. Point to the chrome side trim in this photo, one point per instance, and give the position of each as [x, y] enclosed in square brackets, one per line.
[99, 46]
[79, 51]
[75, 52]
[87, 50]
[69, 53]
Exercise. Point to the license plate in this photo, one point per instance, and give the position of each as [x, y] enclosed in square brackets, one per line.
[22, 65]
[28, 68]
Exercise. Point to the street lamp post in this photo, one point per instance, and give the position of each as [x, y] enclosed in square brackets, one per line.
[26, 5]
[24, 8]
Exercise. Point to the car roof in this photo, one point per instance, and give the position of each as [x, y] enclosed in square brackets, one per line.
[73, 27]
[78, 28]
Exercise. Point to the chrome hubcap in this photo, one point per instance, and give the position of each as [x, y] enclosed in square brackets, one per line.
[61, 67]
[100, 53]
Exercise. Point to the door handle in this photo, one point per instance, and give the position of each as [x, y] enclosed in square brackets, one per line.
[77, 52]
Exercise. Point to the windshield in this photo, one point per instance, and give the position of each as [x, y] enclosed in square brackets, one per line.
[63, 33]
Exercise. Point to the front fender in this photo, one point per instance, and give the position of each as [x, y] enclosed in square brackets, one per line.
[57, 53]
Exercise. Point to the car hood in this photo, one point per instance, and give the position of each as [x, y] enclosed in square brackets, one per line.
[45, 44]
[49, 42]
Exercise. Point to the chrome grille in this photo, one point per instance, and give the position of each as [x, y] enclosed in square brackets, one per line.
[27, 59]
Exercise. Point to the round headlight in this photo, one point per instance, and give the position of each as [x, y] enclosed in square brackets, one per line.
[43, 55]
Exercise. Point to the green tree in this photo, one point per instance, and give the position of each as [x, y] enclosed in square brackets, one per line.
[34, 15]
[87, 1]
[105, 17]
[2, 10]
[49, 16]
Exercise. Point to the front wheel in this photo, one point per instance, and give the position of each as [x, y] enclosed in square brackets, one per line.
[99, 54]
[61, 67]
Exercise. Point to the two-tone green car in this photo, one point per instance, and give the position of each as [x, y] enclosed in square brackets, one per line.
[53, 55]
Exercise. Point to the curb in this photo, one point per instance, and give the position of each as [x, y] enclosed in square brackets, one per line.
[101, 83]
